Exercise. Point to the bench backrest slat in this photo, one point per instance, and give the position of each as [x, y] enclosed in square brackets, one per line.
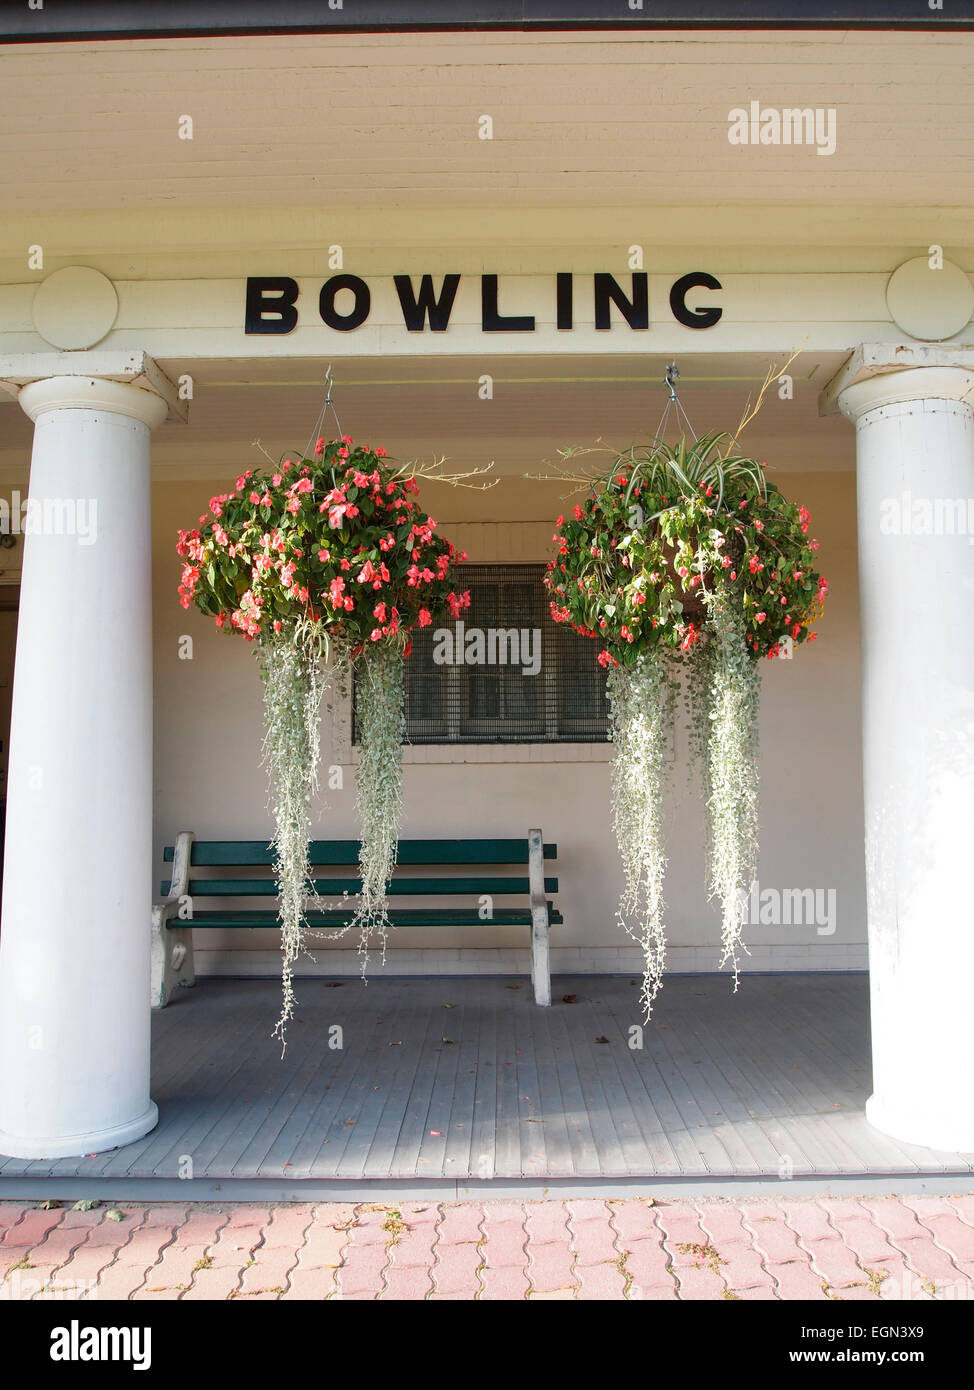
[257, 853]
[334, 887]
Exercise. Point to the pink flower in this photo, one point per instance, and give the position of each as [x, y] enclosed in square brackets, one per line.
[424, 617]
[760, 617]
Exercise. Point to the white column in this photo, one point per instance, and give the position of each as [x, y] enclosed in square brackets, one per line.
[74, 947]
[915, 467]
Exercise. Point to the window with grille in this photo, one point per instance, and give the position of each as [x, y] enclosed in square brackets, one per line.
[505, 672]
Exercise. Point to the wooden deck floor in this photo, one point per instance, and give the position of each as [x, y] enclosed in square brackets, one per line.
[768, 1082]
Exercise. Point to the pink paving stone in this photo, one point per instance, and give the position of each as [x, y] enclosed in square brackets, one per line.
[413, 1249]
[419, 1214]
[797, 1280]
[592, 1242]
[698, 1281]
[652, 1294]
[808, 1220]
[503, 1282]
[363, 1268]
[312, 1284]
[32, 1229]
[680, 1224]
[546, 1222]
[57, 1248]
[322, 1248]
[928, 1261]
[117, 1282]
[586, 1209]
[10, 1215]
[550, 1267]
[963, 1204]
[833, 1261]
[190, 1245]
[553, 1296]
[775, 1242]
[334, 1214]
[100, 1249]
[757, 1295]
[648, 1263]
[410, 1282]
[890, 1214]
[455, 1271]
[925, 1206]
[367, 1229]
[858, 1294]
[723, 1223]
[743, 1268]
[505, 1247]
[287, 1227]
[634, 1220]
[461, 1223]
[600, 1281]
[952, 1235]
[213, 1284]
[271, 1269]
[503, 1211]
[865, 1239]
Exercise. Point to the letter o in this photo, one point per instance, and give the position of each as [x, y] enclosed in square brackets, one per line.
[326, 302]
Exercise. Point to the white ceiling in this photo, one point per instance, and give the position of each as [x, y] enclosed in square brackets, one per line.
[426, 408]
[391, 120]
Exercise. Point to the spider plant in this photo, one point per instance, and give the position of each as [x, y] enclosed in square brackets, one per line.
[685, 468]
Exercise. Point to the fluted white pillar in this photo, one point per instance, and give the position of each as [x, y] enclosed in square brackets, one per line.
[74, 947]
[915, 480]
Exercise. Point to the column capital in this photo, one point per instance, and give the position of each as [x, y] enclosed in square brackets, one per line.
[883, 374]
[96, 380]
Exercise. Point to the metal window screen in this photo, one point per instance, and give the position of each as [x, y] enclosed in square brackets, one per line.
[506, 672]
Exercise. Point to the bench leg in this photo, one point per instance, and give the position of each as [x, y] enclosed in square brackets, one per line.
[540, 958]
[172, 959]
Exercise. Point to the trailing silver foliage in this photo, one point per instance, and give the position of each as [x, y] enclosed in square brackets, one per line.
[380, 677]
[294, 681]
[641, 719]
[731, 781]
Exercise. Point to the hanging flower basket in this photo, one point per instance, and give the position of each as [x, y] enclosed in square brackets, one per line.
[683, 556]
[326, 565]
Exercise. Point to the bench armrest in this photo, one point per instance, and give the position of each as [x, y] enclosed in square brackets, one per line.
[172, 950]
[540, 966]
[181, 855]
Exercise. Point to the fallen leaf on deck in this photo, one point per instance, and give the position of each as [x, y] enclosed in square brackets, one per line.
[602, 1040]
[569, 998]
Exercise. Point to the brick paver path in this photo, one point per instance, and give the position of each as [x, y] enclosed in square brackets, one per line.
[870, 1248]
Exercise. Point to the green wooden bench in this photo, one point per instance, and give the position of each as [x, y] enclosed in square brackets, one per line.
[467, 871]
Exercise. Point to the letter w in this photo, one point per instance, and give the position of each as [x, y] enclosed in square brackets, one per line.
[415, 311]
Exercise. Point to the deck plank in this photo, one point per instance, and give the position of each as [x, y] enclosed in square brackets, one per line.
[771, 1079]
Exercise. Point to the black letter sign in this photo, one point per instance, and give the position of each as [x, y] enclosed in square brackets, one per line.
[416, 308]
[326, 302]
[694, 318]
[493, 322]
[259, 304]
[607, 290]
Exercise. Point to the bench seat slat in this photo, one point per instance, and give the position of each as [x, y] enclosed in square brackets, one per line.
[258, 853]
[334, 887]
[412, 917]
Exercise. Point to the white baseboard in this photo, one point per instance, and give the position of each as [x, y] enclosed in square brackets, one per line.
[565, 960]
